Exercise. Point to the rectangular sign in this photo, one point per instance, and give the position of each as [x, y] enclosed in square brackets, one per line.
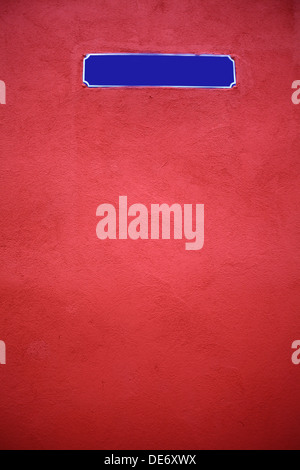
[159, 70]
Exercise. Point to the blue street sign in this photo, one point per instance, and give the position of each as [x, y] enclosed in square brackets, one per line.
[159, 70]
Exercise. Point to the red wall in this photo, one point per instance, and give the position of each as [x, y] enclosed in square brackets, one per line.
[142, 344]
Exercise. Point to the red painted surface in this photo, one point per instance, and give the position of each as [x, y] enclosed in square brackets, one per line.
[141, 344]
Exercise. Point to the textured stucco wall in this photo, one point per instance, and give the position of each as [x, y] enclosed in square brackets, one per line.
[141, 344]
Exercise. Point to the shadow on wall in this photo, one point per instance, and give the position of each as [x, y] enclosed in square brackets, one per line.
[2, 92]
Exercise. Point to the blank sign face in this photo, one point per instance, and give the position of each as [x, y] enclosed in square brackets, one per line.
[159, 70]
